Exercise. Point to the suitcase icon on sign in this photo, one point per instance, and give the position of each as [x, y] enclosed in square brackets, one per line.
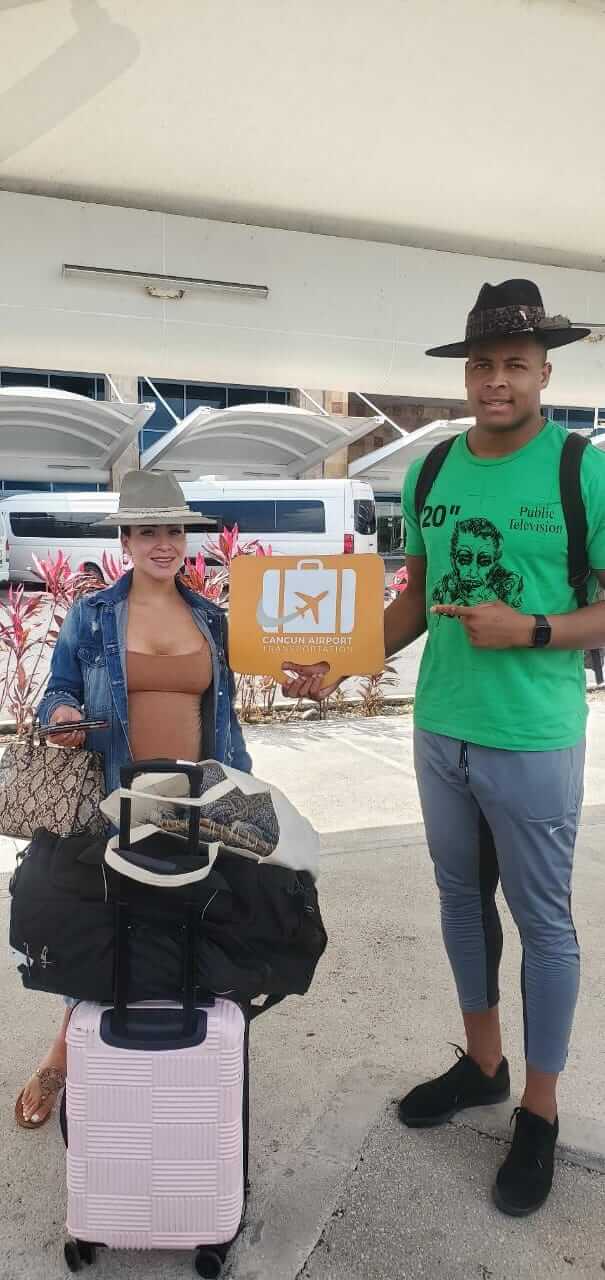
[308, 600]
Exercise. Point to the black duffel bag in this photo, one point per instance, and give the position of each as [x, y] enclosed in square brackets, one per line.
[258, 927]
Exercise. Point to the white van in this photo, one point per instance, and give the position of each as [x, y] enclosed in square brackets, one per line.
[4, 569]
[293, 517]
[42, 524]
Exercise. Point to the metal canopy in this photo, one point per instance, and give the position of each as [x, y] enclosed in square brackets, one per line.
[55, 435]
[386, 468]
[253, 440]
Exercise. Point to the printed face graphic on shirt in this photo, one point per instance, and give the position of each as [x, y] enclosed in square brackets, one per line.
[473, 559]
[478, 575]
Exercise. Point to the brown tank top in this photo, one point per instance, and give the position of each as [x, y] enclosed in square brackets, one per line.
[164, 695]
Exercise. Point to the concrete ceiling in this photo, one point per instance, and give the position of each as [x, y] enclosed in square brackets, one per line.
[474, 126]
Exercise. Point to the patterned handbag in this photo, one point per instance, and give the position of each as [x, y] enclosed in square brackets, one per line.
[54, 787]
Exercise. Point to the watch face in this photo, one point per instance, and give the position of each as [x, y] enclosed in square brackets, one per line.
[542, 634]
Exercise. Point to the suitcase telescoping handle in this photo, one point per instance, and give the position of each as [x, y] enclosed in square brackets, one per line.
[195, 774]
[148, 1028]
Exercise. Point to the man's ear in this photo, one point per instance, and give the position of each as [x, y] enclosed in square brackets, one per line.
[546, 375]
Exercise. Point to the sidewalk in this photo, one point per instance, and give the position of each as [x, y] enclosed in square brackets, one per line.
[339, 1190]
[418, 1205]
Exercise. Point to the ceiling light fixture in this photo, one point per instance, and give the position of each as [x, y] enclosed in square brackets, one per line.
[164, 286]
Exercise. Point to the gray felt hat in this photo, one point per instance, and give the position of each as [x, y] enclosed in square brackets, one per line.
[146, 498]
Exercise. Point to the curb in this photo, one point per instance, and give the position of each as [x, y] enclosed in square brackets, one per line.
[287, 1220]
[581, 1141]
[371, 839]
[8, 727]
[401, 835]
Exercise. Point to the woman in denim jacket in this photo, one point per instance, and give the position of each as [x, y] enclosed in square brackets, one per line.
[149, 657]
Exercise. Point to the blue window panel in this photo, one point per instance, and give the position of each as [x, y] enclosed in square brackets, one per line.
[245, 395]
[199, 396]
[25, 486]
[71, 486]
[148, 436]
[174, 395]
[22, 378]
[580, 419]
[184, 397]
[83, 384]
[77, 384]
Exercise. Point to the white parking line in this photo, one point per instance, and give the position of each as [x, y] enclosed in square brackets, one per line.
[400, 765]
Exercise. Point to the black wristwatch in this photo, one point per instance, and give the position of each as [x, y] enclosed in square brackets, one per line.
[542, 632]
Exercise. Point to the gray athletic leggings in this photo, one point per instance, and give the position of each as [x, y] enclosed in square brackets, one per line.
[509, 815]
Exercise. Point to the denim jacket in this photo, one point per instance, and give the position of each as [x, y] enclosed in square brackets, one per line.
[88, 670]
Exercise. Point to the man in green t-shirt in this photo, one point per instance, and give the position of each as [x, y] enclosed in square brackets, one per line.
[500, 715]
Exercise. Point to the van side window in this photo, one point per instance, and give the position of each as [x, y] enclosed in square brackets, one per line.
[250, 517]
[300, 516]
[263, 516]
[62, 526]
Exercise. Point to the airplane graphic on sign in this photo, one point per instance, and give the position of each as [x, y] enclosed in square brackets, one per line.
[331, 610]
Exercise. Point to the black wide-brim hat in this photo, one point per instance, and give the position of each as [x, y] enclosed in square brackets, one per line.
[507, 310]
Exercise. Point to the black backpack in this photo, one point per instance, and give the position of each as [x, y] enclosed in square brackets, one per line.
[574, 513]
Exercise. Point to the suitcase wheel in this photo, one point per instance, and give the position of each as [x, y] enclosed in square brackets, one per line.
[208, 1264]
[76, 1252]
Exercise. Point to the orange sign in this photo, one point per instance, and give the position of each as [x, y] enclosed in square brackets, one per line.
[282, 608]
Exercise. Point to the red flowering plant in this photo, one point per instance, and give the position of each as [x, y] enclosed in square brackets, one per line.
[256, 694]
[212, 580]
[400, 580]
[30, 624]
[20, 654]
[205, 581]
[114, 567]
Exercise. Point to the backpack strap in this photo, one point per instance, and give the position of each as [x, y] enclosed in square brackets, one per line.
[429, 471]
[574, 513]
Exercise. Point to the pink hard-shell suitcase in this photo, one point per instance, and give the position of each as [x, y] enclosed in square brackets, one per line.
[155, 1117]
[157, 1135]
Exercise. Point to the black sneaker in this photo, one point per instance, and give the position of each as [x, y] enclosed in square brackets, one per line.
[464, 1085]
[525, 1179]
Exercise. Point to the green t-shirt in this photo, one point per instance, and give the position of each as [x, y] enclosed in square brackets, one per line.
[493, 529]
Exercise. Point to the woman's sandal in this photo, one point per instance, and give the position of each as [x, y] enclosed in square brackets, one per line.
[52, 1081]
